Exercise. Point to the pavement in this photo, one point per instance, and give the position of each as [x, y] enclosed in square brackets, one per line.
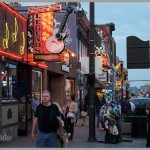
[80, 140]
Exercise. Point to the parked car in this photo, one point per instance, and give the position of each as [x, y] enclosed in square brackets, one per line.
[140, 101]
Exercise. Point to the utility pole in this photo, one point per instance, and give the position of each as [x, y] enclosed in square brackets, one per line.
[91, 77]
[122, 99]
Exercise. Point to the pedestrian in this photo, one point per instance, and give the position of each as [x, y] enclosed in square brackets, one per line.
[75, 100]
[83, 109]
[46, 117]
[62, 132]
[148, 123]
[34, 102]
[87, 99]
[99, 104]
[70, 109]
[132, 106]
[127, 107]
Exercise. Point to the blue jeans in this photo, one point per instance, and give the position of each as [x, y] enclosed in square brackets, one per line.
[47, 139]
[98, 118]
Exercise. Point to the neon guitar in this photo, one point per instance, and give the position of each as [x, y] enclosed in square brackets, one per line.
[55, 43]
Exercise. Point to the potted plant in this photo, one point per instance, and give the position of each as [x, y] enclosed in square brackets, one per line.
[133, 122]
[139, 122]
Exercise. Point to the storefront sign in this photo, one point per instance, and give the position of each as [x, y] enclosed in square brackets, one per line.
[49, 57]
[102, 77]
[46, 8]
[65, 68]
[13, 32]
[98, 65]
[40, 28]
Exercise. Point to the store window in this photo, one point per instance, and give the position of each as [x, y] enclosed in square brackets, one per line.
[37, 83]
[69, 87]
[8, 77]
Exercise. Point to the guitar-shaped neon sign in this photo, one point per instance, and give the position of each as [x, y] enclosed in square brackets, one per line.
[55, 43]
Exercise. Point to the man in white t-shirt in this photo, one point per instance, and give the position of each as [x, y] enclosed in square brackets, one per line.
[132, 106]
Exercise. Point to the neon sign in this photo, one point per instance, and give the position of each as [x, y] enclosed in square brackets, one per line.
[14, 35]
[40, 28]
[23, 44]
[6, 39]
[47, 8]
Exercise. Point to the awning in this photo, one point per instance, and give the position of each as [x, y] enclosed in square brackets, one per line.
[99, 84]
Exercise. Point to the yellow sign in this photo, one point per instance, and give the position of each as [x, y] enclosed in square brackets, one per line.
[14, 35]
[23, 44]
[6, 39]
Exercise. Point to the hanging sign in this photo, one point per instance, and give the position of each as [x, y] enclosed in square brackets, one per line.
[49, 57]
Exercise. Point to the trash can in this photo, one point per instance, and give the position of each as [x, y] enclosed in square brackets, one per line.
[139, 126]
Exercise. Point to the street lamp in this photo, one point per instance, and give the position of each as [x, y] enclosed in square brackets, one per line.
[91, 78]
[121, 64]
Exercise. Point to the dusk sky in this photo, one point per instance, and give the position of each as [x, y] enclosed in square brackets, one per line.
[130, 19]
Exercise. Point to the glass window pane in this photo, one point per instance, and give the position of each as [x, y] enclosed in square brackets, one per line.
[37, 83]
[8, 76]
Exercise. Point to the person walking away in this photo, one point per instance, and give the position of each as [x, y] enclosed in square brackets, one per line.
[70, 110]
[76, 101]
[46, 117]
[34, 103]
[132, 106]
[83, 109]
[99, 104]
[87, 100]
[148, 123]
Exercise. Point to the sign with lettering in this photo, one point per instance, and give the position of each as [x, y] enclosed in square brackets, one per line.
[102, 77]
[40, 27]
[65, 68]
[50, 57]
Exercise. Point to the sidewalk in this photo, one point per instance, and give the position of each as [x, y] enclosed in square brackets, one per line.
[80, 140]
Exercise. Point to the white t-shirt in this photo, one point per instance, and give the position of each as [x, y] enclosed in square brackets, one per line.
[132, 106]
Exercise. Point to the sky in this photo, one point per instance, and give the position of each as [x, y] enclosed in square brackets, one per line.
[130, 19]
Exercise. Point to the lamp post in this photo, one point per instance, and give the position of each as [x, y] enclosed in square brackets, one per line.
[91, 77]
[122, 105]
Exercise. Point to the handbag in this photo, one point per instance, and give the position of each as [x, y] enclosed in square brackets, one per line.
[83, 113]
[70, 115]
[115, 130]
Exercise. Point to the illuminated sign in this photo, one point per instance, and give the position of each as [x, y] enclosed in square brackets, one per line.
[23, 44]
[14, 35]
[51, 57]
[40, 28]
[6, 39]
[46, 8]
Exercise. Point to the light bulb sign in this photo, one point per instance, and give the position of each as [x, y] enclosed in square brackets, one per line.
[42, 36]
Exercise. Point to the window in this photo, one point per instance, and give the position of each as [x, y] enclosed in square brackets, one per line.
[37, 83]
[8, 77]
[69, 86]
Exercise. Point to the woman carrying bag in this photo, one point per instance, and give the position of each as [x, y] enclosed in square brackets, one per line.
[83, 109]
[70, 109]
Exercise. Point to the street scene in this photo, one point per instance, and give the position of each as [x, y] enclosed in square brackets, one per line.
[69, 81]
[81, 135]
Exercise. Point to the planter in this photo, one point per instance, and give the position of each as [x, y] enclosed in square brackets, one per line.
[139, 126]
[126, 128]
